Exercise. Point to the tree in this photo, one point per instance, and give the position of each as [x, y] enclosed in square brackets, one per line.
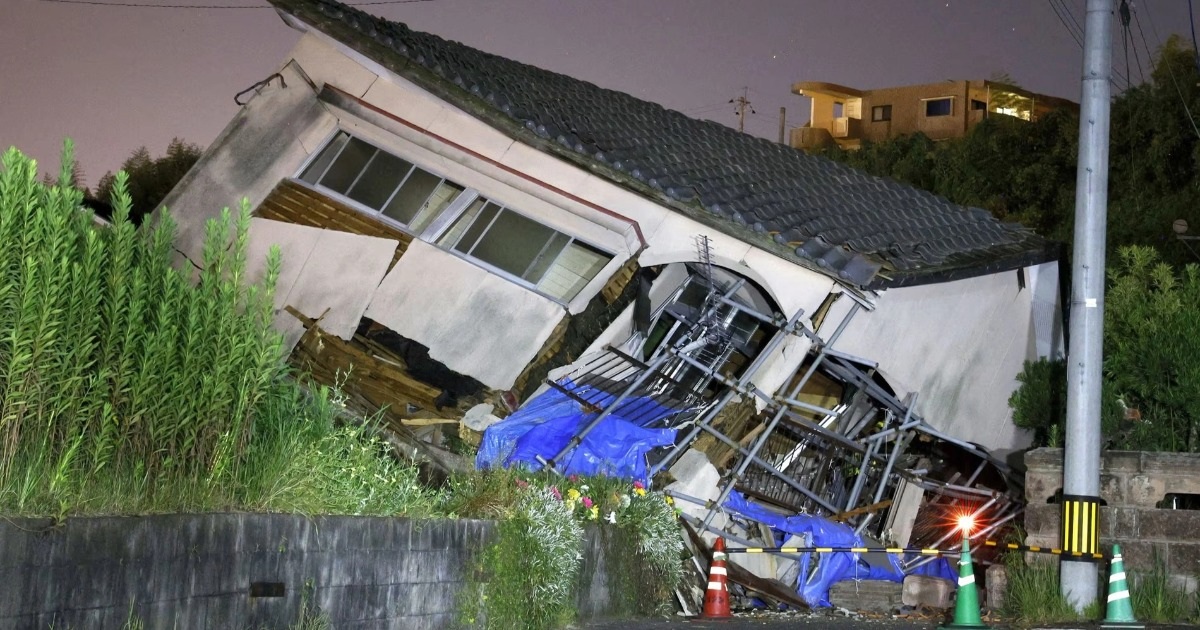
[150, 179]
[1151, 343]
[1025, 171]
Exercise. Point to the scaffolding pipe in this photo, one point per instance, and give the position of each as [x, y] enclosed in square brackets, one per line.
[863, 473]
[762, 439]
[799, 487]
[772, 344]
[578, 438]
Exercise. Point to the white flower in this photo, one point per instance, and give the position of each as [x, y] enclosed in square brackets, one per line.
[611, 518]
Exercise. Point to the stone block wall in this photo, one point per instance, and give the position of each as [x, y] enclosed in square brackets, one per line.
[246, 571]
[1132, 485]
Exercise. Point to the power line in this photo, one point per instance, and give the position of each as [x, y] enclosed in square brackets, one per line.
[1126, 35]
[700, 108]
[1167, 62]
[143, 5]
[1192, 23]
[1062, 20]
[1071, 14]
[1066, 17]
[742, 104]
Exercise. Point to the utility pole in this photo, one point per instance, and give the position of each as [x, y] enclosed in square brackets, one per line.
[1081, 455]
[743, 103]
[782, 122]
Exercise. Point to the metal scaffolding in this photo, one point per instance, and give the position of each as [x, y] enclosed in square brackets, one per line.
[845, 462]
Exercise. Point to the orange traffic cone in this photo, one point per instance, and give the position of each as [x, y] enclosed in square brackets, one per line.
[716, 597]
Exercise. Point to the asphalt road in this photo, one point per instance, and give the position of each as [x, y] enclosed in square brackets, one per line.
[781, 621]
[769, 621]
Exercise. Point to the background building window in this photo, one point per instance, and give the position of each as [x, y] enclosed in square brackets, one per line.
[880, 113]
[478, 229]
[939, 107]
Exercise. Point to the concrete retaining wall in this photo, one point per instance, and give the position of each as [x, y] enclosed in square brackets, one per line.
[245, 571]
[1132, 485]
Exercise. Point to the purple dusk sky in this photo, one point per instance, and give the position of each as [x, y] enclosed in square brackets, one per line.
[114, 78]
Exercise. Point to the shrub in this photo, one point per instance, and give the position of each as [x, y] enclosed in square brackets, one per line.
[529, 577]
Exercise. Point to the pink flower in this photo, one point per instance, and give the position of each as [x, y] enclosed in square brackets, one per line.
[587, 502]
[521, 483]
[639, 485]
[573, 478]
[556, 493]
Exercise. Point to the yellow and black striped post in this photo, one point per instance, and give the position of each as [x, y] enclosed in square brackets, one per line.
[1080, 526]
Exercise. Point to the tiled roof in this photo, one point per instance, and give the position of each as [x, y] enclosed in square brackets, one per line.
[866, 230]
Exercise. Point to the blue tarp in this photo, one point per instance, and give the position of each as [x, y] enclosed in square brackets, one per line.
[813, 586]
[616, 447]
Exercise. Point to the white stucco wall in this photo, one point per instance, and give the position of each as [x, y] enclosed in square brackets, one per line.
[325, 273]
[264, 143]
[475, 322]
[959, 345]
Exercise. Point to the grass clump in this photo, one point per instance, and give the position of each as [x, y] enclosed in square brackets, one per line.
[1034, 595]
[129, 386]
[1154, 598]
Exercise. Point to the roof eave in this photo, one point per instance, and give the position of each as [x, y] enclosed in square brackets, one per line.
[1050, 251]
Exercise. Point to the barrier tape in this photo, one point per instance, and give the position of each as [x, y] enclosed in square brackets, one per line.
[919, 550]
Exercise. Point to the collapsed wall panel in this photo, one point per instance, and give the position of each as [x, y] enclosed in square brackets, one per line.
[488, 327]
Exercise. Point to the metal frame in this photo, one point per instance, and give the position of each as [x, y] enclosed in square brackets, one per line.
[842, 465]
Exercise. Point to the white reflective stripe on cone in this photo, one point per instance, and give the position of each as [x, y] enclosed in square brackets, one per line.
[719, 556]
[1116, 576]
[965, 580]
[1112, 597]
[716, 586]
[717, 571]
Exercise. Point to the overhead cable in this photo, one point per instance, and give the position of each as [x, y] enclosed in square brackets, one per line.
[146, 5]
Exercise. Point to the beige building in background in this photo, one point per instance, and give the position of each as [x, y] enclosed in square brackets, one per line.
[846, 116]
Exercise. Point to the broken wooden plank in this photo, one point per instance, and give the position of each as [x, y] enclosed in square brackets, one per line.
[424, 422]
[770, 589]
[874, 507]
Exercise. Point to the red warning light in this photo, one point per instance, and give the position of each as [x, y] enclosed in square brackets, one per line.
[966, 523]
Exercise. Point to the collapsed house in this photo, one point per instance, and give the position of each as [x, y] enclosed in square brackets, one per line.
[459, 228]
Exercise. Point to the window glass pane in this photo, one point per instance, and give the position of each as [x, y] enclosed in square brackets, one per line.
[347, 166]
[486, 215]
[412, 195]
[450, 238]
[318, 166]
[939, 107]
[380, 179]
[577, 265]
[512, 243]
[549, 253]
[442, 196]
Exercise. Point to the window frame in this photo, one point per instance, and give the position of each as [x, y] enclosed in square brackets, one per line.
[925, 102]
[449, 215]
[884, 111]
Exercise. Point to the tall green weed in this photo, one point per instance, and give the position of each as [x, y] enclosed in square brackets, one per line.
[128, 386]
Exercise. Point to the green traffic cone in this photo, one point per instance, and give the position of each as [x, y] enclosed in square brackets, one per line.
[1120, 608]
[966, 604]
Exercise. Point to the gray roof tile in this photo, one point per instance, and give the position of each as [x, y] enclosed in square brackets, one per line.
[863, 229]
